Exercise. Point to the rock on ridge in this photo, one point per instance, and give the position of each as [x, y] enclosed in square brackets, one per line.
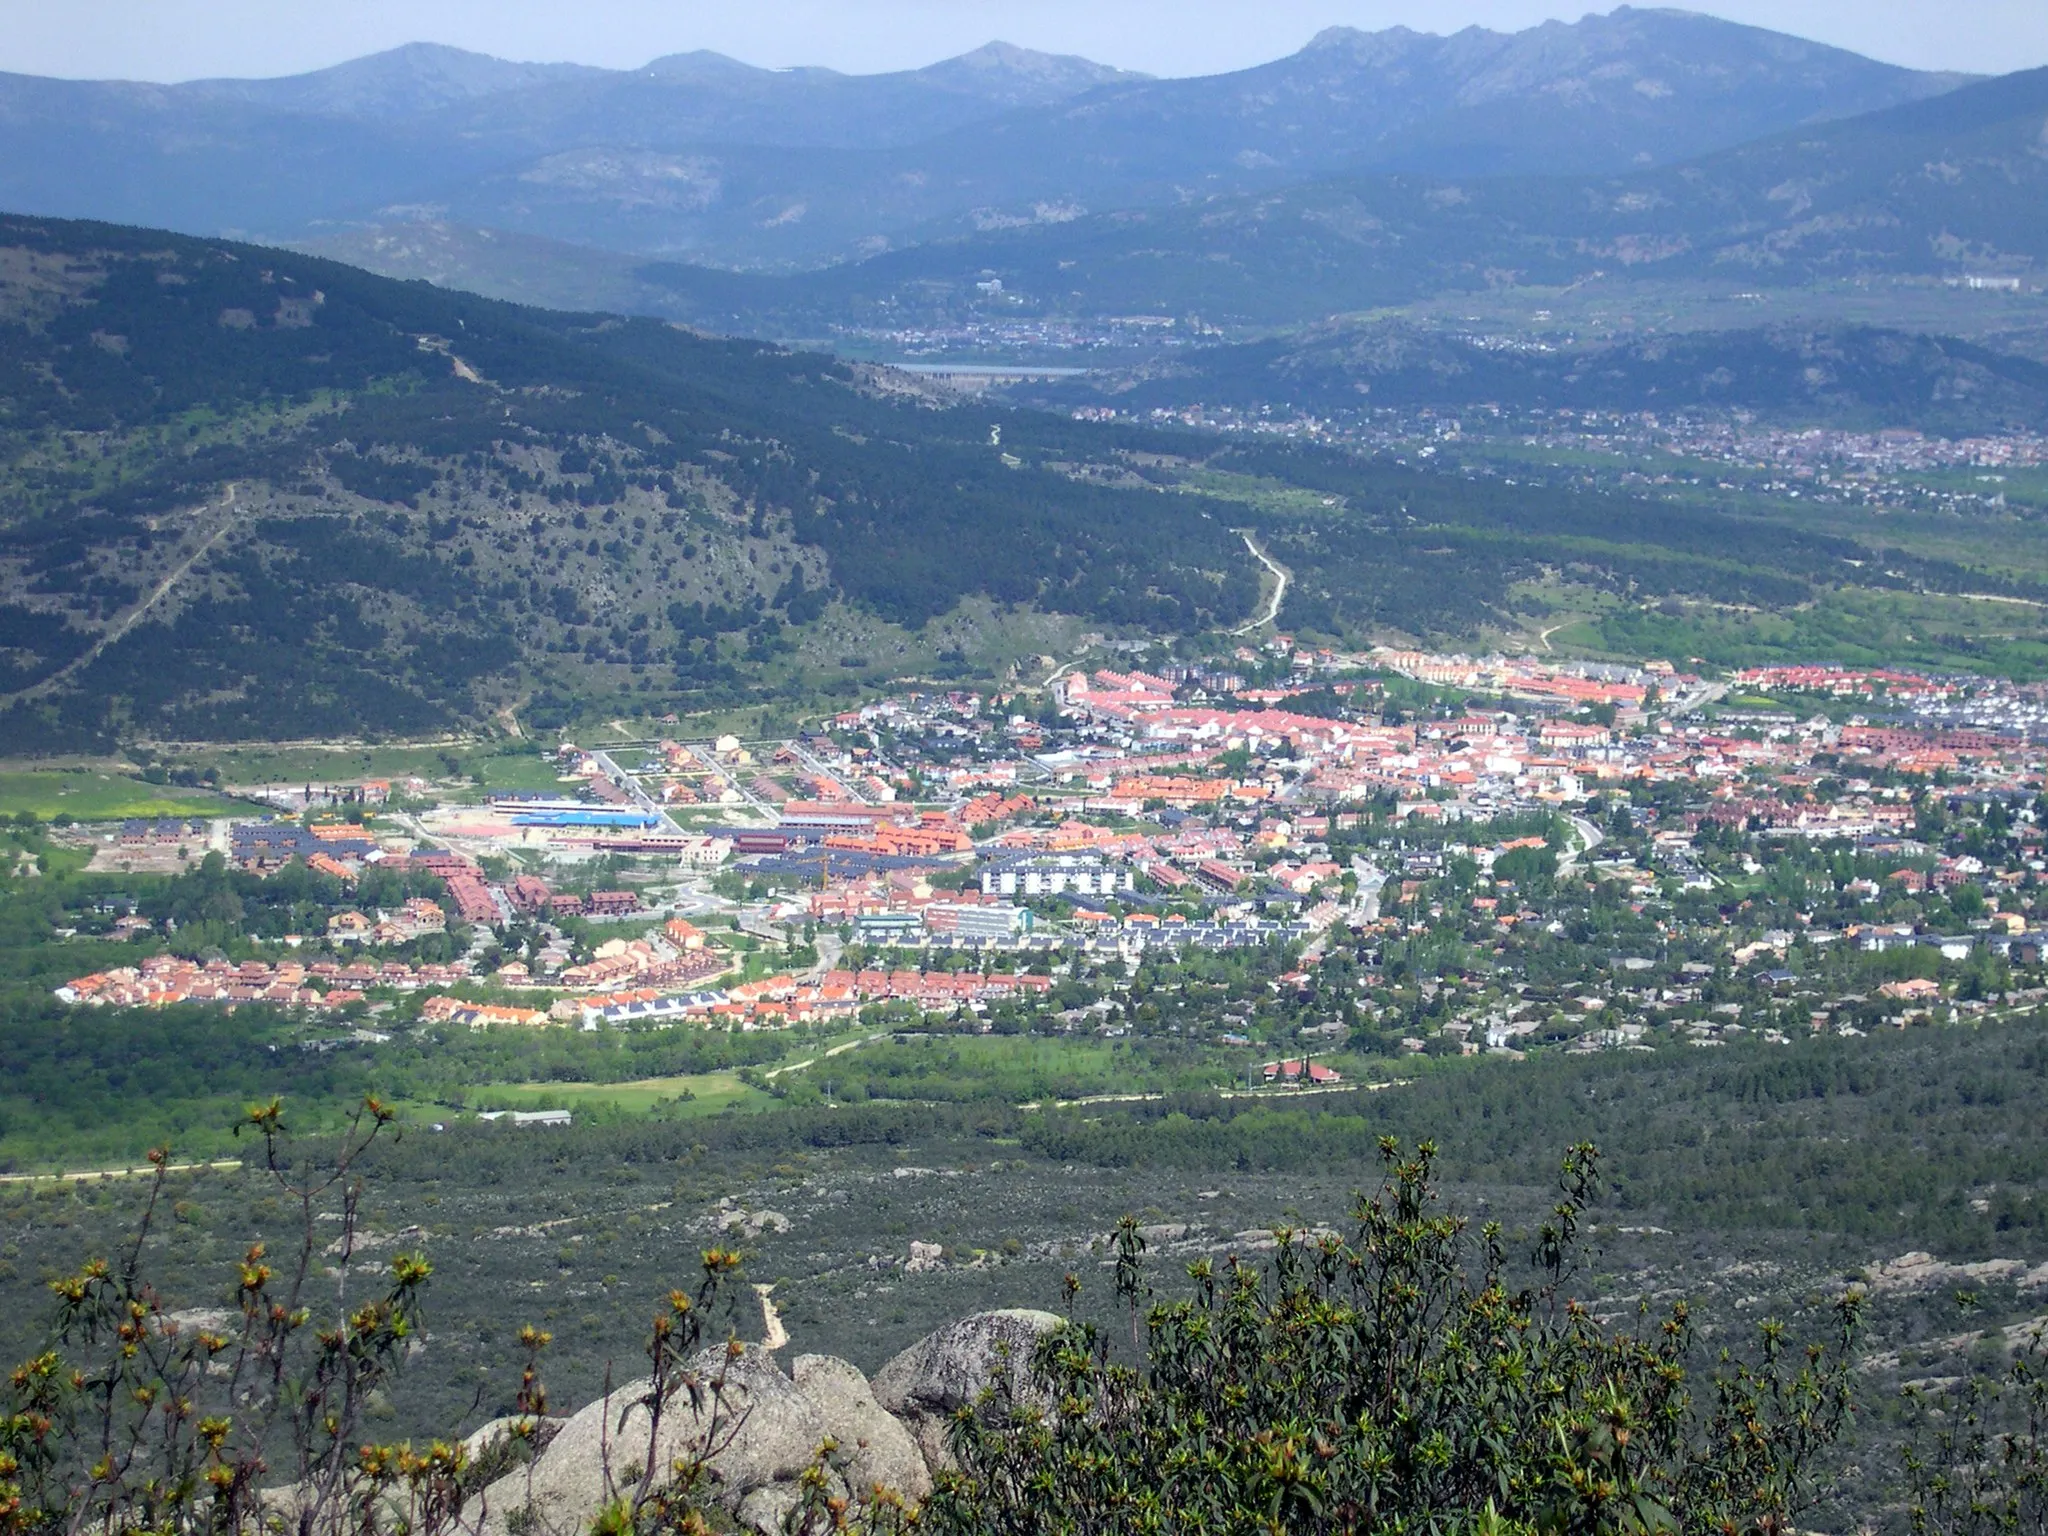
[890, 1434]
[954, 1366]
[875, 1450]
[599, 1450]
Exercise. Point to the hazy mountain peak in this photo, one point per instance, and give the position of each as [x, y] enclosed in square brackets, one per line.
[1633, 85]
[1004, 70]
[699, 63]
[403, 81]
[1351, 37]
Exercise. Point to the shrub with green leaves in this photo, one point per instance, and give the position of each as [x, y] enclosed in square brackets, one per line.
[243, 1418]
[1409, 1376]
[1396, 1379]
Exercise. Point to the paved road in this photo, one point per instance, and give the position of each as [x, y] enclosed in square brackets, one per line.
[1696, 698]
[1592, 837]
[811, 761]
[759, 926]
[631, 786]
[1371, 881]
[145, 1172]
[830, 947]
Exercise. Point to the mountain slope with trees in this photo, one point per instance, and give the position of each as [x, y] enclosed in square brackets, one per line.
[285, 497]
[253, 494]
[1844, 376]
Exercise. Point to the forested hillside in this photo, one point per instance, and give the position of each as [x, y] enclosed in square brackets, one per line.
[291, 498]
[255, 494]
[1860, 377]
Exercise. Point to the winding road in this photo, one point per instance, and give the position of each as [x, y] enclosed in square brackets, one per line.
[1593, 838]
[1281, 578]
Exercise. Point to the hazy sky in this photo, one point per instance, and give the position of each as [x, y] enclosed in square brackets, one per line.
[182, 39]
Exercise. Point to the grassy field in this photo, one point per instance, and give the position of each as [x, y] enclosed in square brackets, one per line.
[518, 771]
[438, 763]
[90, 795]
[710, 1093]
[1257, 491]
[1855, 627]
[287, 764]
[1019, 1069]
[1990, 540]
[914, 1069]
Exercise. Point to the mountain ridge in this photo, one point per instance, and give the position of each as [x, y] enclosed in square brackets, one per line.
[712, 161]
[407, 80]
[443, 75]
[1951, 187]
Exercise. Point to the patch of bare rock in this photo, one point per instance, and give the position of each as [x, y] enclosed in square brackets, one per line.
[890, 1433]
[1922, 1271]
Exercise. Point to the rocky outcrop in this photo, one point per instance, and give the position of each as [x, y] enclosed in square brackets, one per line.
[1919, 1271]
[876, 1449]
[890, 1434]
[508, 1442]
[768, 1433]
[942, 1371]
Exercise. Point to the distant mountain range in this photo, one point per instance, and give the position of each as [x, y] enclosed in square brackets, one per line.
[1952, 186]
[699, 97]
[566, 150]
[701, 158]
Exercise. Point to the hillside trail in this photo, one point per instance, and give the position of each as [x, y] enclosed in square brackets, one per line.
[771, 1320]
[146, 1171]
[1065, 667]
[1281, 577]
[141, 610]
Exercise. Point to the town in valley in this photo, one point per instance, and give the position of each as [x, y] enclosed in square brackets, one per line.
[1408, 853]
